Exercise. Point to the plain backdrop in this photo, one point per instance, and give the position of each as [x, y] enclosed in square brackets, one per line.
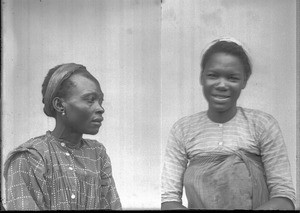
[146, 56]
[119, 43]
[267, 28]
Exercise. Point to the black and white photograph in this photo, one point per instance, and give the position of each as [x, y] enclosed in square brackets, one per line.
[150, 104]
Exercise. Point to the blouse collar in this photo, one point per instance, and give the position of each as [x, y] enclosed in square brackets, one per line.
[65, 143]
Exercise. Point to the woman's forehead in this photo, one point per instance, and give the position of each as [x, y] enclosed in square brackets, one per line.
[83, 83]
[224, 60]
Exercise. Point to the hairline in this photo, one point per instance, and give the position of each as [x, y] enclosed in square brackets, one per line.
[217, 49]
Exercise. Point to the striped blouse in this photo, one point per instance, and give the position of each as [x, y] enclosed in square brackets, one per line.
[251, 130]
[45, 174]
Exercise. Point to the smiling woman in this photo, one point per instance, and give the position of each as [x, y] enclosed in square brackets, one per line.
[227, 157]
[61, 170]
[222, 83]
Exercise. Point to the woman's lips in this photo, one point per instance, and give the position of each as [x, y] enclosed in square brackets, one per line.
[220, 98]
[97, 121]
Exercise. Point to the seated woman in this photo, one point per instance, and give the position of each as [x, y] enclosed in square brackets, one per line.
[227, 157]
[60, 170]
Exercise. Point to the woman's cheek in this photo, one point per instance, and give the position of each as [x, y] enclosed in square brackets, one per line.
[81, 114]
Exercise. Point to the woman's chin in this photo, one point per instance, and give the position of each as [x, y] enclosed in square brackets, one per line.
[93, 131]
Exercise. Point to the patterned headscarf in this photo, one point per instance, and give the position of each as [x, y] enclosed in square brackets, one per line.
[62, 73]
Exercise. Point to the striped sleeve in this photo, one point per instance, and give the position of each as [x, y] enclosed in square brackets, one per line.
[275, 159]
[175, 164]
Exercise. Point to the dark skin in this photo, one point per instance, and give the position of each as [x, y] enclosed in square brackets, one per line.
[222, 81]
[82, 110]
[172, 205]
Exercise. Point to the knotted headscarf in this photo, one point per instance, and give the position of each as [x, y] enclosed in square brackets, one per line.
[62, 73]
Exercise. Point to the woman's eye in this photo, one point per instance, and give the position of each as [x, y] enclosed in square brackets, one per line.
[211, 75]
[91, 99]
[233, 78]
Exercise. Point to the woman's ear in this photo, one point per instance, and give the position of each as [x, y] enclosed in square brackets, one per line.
[58, 105]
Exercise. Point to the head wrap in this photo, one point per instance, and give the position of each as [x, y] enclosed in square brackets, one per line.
[228, 39]
[61, 74]
[238, 43]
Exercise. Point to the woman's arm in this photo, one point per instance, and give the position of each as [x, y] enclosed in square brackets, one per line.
[25, 183]
[172, 205]
[277, 167]
[109, 195]
[277, 203]
[175, 163]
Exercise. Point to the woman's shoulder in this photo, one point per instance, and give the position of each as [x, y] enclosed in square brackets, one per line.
[257, 116]
[189, 121]
[34, 150]
[38, 143]
[192, 118]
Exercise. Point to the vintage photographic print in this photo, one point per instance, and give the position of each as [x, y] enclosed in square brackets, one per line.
[150, 104]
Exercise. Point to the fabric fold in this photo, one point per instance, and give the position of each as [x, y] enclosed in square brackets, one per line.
[226, 180]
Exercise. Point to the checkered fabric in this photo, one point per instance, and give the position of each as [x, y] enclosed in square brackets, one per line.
[46, 174]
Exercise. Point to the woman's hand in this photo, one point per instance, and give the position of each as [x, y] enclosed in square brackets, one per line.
[172, 205]
[277, 203]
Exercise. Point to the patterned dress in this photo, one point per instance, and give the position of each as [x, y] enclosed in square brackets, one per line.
[45, 174]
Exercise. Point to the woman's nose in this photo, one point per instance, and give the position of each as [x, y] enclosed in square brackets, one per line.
[221, 84]
[100, 109]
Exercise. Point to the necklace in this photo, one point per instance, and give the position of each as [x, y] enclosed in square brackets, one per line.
[68, 143]
[74, 146]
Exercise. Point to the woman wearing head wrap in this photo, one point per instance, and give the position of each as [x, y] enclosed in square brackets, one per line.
[60, 170]
[227, 157]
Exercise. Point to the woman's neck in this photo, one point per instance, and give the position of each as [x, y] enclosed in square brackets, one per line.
[61, 132]
[221, 117]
